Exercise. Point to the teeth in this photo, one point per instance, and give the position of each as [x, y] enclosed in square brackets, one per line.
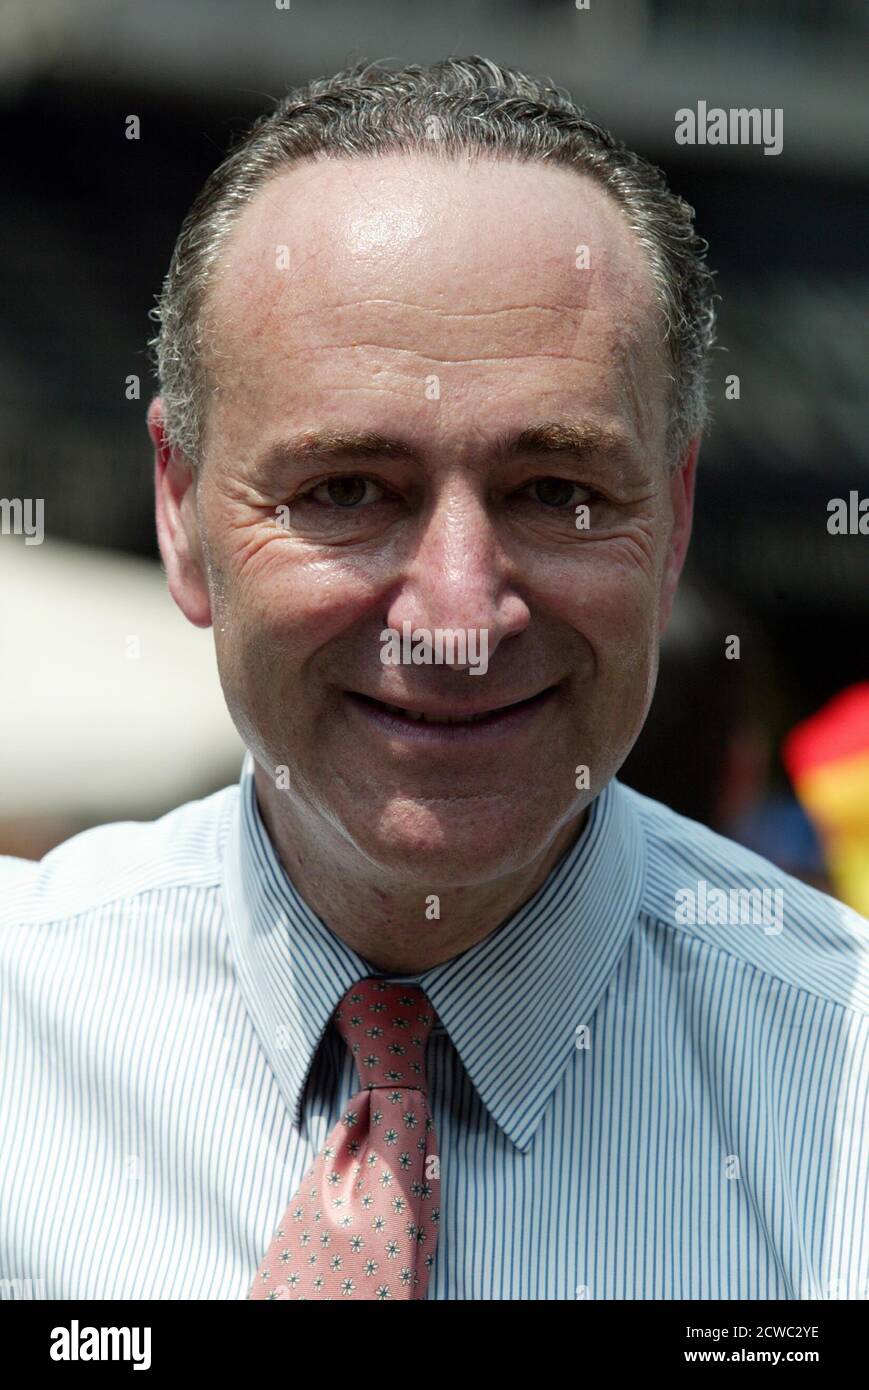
[433, 718]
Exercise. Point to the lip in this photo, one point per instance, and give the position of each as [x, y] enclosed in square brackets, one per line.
[504, 721]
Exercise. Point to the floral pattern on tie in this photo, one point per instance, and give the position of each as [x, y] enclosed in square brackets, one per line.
[364, 1222]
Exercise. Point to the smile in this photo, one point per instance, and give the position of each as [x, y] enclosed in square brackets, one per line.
[444, 721]
[418, 716]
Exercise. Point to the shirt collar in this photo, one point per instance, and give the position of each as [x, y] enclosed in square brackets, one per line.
[511, 1004]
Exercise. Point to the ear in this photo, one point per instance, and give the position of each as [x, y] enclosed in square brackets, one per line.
[178, 524]
[681, 488]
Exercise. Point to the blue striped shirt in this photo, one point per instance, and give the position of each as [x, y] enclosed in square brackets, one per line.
[650, 1082]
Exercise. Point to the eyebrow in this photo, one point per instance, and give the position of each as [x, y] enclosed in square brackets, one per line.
[551, 437]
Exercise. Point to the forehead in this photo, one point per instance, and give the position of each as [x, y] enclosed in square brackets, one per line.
[429, 265]
[484, 226]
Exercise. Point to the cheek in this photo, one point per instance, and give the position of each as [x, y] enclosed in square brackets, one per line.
[285, 598]
[612, 604]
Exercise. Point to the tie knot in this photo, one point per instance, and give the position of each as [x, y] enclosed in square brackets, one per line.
[386, 1026]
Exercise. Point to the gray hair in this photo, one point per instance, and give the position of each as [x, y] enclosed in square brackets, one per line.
[452, 107]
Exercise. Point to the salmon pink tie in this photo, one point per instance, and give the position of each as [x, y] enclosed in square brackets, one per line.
[362, 1224]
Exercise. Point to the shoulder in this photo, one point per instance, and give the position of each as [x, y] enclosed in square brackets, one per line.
[118, 861]
[717, 893]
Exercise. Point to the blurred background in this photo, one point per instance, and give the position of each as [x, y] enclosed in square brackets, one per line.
[110, 704]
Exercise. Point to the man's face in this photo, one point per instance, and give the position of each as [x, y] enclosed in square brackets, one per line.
[447, 308]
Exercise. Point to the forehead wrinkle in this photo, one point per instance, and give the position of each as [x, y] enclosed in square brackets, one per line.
[591, 214]
[619, 263]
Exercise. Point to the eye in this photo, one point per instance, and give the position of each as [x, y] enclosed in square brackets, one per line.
[345, 490]
[558, 493]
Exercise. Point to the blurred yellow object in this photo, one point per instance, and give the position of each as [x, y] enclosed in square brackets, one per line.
[827, 759]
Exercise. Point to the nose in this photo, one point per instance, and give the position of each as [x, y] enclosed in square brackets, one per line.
[460, 576]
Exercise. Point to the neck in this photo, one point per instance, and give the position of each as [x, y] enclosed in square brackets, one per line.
[393, 924]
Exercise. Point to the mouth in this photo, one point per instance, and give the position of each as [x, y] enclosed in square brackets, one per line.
[450, 721]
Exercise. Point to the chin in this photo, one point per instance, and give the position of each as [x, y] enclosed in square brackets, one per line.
[452, 849]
